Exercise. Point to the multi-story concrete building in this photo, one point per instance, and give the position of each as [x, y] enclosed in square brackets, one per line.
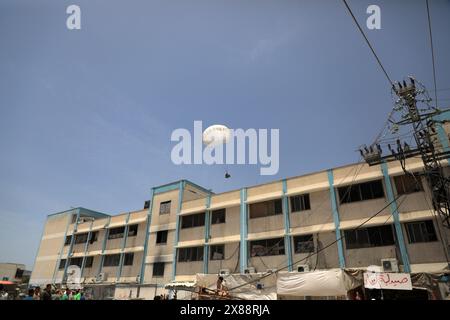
[187, 229]
[13, 272]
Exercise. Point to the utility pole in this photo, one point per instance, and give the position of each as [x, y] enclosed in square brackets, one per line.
[423, 122]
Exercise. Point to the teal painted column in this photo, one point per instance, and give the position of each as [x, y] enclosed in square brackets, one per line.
[147, 236]
[445, 116]
[287, 226]
[124, 243]
[207, 234]
[86, 247]
[72, 240]
[397, 225]
[58, 261]
[181, 186]
[243, 231]
[105, 239]
[334, 208]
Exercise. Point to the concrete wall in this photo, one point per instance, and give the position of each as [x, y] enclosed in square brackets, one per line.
[320, 212]
[231, 225]
[52, 240]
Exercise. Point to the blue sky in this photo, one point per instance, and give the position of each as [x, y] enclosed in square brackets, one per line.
[86, 115]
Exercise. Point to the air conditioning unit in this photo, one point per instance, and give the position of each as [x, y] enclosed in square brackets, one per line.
[224, 272]
[101, 277]
[302, 268]
[389, 265]
[249, 270]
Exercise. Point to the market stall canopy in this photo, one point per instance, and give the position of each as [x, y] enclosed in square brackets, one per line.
[334, 282]
[4, 282]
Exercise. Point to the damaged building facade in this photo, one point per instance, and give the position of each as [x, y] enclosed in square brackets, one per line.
[186, 229]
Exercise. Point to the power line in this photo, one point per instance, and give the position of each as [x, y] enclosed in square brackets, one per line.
[314, 253]
[368, 42]
[432, 53]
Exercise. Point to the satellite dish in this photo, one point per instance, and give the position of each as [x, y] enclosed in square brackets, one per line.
[216, 134]
[73, 277]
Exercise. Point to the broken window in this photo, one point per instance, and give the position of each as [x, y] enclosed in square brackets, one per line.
[190, 254]
[408, 184]
[193, 220]
[158, 269]
[267, 247]
[164, 207]
[304, 243]
[76, 262]
[68, 240]
[218, 216]
[217, 252]
[94, 237]
[300, 203]
[161, 237]
[62, 264]
[81, 238]
[128, 259]
[265, 209]
[89, 262]
[116, 233]
[421, 231]
[111, 260]
[369, 237]
[362, 191]
[132, 230]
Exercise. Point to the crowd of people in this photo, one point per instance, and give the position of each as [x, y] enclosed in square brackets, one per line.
[49, 294]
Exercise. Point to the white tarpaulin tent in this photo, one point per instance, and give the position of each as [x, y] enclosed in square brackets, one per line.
[334, 282]
[263, 289]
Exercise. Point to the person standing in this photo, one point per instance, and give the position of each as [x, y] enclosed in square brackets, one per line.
[47, 294]
[66, 295]
[37, 293]
[77, 295]
[30, 295]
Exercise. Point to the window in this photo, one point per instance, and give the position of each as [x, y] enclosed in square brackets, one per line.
[74, 218]
[369, 237]
[62, 264]
[132, 230]
[217, 252]
[218, 216]
[304, 244]
[266, 208]
[421, 231]
[128, 259]
[164, 207]
[362, 191]
[408, 184]
[147, 204]
[76, 262]
[19, 273]
[269, 247]
[94, 237]
[111, 260]
[190, 254]
[89, 262]
[116, 233]
[193, 220]
[68, 240]
[300, 203]
[158, 269]
[161, 237]
[81, 238]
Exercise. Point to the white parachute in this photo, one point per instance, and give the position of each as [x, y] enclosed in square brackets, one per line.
[216, 134]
